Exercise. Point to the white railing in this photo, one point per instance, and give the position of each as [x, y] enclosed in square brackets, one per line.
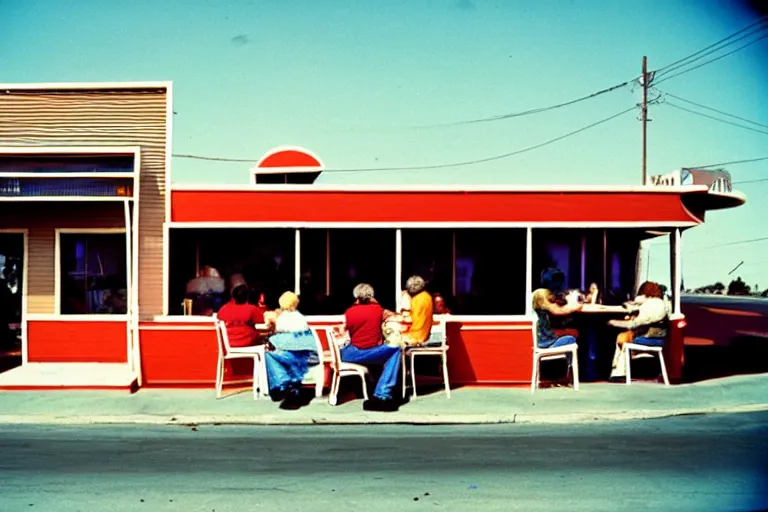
[718, 181]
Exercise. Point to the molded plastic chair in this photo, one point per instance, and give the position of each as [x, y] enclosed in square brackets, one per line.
[226, 352]
[548, 354]
[316, 373]
[436, 345]
[342, 369]
[644, 350]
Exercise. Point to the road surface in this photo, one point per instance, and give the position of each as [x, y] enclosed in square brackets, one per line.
[696, 463]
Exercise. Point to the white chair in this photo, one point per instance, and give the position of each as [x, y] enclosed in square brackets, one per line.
[316, 374]
[548, 354]
[342, 369]
[226, 352]
[436, 345]
[644, 350]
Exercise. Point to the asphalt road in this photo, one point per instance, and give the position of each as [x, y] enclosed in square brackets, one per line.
[696, 463]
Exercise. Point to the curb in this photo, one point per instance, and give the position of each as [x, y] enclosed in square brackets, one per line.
[374, 419]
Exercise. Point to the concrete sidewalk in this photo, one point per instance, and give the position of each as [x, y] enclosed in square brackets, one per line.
[469, 405]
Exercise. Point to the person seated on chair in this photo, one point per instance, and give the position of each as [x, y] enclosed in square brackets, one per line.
[545, 306]
[294, 350]
[421, 312]
[241, 318]
[645, 326]
[440, 307]
[363, 322]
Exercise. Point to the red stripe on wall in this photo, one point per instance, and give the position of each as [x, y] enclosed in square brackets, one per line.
[77, 342]
[363, 206]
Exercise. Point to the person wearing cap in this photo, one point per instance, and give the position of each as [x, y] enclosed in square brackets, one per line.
[295, 350]
[544, 305]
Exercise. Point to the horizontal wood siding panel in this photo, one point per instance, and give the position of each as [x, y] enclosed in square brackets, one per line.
[77, 342]
[126, 117]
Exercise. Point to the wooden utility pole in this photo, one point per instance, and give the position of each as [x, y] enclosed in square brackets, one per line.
[644, 111]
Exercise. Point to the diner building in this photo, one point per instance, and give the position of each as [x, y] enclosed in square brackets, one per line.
[102, 245]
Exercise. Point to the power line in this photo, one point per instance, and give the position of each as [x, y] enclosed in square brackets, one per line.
[530, 111]
[712, 60]
[749, 181]
[714, 118]
[715, 110]
[732, 162]
[434, 166]
[737, 242]
[713, 47]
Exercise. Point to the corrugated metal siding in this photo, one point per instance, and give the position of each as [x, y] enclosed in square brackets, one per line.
[125, 117]
[42, 219]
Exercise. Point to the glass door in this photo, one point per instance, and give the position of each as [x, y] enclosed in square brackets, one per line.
[11, 298]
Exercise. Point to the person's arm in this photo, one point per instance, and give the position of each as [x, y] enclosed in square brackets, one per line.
[555, 309]
[649, 313]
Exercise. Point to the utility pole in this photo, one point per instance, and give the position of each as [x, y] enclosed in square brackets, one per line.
[644, 112]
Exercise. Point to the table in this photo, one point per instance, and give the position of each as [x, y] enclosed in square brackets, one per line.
[592, 322]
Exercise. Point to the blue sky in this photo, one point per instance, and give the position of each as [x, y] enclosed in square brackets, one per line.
[355, 80]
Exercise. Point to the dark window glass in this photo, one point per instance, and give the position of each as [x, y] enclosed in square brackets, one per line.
[362, 256]
[429, 253]
[93, 274]
[490, 271]
[313, 286]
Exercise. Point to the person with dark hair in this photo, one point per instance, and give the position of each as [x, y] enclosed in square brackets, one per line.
[240, 317]
[545, 306]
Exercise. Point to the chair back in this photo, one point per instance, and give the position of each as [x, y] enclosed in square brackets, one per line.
[319, 343]
[438, 335]
[535, 331]
[335, 340]
[221, 335]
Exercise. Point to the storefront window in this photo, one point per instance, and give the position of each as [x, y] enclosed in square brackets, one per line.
[93, 273]
[490, 271]
[314, 285]
[429, 254]
[362, 256]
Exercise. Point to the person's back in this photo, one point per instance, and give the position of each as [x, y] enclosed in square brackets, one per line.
[363, 321]
[241, 318]
[421, 317]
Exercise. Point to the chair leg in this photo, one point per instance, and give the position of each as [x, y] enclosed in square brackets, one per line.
[320, 380]
[256, 379]
[535, 374]
[575, 369]
[403, 370]
[628, 366]
[263, 379]
[365, 386]
[219, 376]
[663, 369]
[333, 396]
[413, 373]
[445, 375]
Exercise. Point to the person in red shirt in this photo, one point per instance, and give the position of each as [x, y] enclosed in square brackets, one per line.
[241, 318]
[366, 346]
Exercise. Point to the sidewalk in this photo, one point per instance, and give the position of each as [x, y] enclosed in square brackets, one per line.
[593, 402]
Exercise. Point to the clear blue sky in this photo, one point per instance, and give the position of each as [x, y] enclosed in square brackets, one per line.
[353, 80]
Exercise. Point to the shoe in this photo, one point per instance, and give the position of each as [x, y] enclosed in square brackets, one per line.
[277, 394]
[379, 405]
[292, 400]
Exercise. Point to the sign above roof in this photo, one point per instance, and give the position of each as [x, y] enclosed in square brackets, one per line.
[276, 165]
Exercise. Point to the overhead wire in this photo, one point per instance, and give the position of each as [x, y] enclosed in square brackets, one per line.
[714, 47]
[665, 78]
[714, 110]
[439, 166]
[764, 132]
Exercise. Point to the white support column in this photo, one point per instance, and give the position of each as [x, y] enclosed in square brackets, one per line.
[529, 271]
[297, 265]
[584, 262]
[675, 247]
[129, 277]
[453, 263]
[327, 262]
[398, 262]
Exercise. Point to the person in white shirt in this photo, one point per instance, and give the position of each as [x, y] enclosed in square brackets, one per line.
[648, 326]
[295, 350]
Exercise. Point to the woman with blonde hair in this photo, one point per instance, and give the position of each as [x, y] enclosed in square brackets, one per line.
[294, 349]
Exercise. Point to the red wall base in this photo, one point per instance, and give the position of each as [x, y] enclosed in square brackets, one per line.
[65, 341]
